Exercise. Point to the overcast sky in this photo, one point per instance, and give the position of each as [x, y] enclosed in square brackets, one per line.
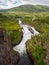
[5, 4]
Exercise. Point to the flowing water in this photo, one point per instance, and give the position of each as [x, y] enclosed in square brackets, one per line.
[21, 48]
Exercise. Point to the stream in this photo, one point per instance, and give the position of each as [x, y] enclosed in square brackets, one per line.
[21, 48]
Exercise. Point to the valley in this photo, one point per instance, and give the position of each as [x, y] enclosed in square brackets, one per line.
[24, 36]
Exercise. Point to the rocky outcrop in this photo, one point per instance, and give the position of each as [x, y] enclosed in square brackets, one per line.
[3, 37]
[46, 60]
[7, 55]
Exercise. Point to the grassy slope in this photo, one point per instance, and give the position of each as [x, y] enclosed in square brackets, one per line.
[41, 24]
[29, 8]
[11, 25]
[35, 45]
[8, 55]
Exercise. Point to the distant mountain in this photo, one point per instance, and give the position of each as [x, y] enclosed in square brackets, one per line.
[29, 8]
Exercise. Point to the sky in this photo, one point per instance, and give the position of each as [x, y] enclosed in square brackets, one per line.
[6, 4]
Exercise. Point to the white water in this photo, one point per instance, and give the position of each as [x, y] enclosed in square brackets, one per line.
[21, 48]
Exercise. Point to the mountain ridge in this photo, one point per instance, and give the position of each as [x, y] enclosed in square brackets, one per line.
[29, 8]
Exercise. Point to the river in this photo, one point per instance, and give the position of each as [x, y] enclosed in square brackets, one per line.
[21, 48]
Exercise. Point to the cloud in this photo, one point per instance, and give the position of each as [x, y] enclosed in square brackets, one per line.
[41, 2]
[5, 4]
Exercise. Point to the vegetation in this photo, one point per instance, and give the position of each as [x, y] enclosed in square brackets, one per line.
[29, 8]
[7, 55]
[16, 37]
[36, 45]
[35, 16]
[12, 28]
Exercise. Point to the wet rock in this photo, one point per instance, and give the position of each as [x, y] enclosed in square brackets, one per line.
[30, 29]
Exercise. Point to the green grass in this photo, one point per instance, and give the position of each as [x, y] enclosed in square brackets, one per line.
[16, 37]
[10, 24]
[35, 46]
[40, 23]
[36, 49]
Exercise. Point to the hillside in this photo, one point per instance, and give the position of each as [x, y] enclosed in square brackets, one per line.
[11, 34]
[29, 8]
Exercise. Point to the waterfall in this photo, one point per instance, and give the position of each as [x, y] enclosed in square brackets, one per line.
[21, 48]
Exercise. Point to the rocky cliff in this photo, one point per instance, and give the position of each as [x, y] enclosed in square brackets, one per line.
[7, 55]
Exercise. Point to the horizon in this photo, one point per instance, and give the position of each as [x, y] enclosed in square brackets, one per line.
[7, 4]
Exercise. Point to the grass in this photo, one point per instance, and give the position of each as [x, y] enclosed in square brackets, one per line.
[16, 37]
[10, 24]
[36, 49]
[35, 45]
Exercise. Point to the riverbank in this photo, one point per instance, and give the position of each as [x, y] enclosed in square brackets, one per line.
[7, 55]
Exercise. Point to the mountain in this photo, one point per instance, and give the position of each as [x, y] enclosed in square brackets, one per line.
[29, 8]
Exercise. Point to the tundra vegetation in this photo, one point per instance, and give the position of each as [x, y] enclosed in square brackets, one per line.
[38, 45]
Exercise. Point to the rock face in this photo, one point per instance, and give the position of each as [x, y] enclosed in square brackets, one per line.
[46, 60]
[2, 36]
[7, 55]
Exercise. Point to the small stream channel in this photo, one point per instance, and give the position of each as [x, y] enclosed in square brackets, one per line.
[21, 48]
